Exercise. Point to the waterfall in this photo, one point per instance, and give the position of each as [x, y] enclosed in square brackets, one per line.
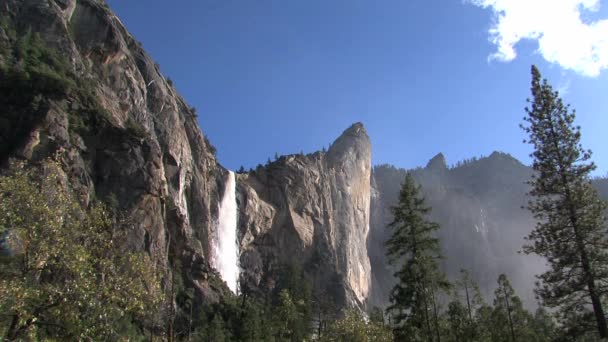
[225, 255]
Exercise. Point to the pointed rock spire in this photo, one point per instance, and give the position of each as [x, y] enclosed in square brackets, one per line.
[437, 163]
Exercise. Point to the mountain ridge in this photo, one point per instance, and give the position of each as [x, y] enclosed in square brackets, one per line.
[128, 138]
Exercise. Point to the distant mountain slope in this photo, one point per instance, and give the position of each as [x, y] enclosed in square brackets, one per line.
[479, 206]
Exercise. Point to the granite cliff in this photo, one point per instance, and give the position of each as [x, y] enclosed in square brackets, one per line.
[311, 209]
[126, 137]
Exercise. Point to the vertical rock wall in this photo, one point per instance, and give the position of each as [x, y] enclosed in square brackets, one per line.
[312, 210]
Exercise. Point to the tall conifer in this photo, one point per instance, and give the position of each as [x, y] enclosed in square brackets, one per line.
[571, 228]
[415, 252]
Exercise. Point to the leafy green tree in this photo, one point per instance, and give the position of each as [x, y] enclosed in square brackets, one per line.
[571, 228]
[543, 326]
[414, 250]
[353, 327]
[286, 316]
[63, 273]
[458, 321]
[484, 322]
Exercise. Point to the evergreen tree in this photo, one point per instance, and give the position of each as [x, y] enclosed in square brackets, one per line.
[251, 325]
[484, 323]
[216, 329]
[414, 250]
[469, 290]
[510, 322]
[294, 288]
[543, 326]
[505, 304]
[458, 321]
[467, 301]
[570, 232]
[286, 317]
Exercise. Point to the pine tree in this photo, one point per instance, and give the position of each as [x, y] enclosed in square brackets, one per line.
[505, 304]
[217, 329]
[543, 325]
[415, 251]
[509, 320]
[251, 322]
[458, 321]
[468, 297]
[570, 232]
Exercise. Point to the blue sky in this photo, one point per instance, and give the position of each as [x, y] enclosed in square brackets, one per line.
[424, 76]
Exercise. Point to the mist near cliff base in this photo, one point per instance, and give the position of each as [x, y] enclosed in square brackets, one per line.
[479, 205]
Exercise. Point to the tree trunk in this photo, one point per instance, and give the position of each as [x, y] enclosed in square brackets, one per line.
[426, 318]
[598, 310]
[12, 330]
[509, 314]
[435, 315]
[472, 327]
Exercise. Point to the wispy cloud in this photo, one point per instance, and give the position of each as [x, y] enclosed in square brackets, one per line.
[563, 36]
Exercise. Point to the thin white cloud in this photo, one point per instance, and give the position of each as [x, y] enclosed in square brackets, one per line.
[563, 36]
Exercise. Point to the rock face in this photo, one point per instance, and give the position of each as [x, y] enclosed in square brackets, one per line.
[478, 204]
[312, 210]
[142, 149]
[127, 138]
[130, 140]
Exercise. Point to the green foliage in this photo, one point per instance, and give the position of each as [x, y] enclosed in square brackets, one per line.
[353, 327]
[65, 275]
[458, 321]
[461, 313]
[284, 314]
[34, 77]
[293, 295]
[509, 317]
[413, 248]
[134, 128]
[36, 69]
[211, 148]
[508, 321]
[570, 232]
[30, 76]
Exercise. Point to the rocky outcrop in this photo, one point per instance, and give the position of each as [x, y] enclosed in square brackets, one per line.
[126, 136]
[312, 210]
